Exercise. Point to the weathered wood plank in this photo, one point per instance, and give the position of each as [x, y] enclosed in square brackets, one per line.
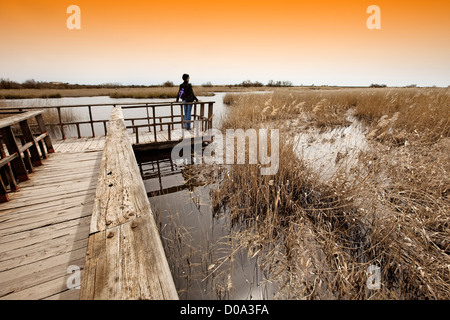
[125, 258]
[5, 122]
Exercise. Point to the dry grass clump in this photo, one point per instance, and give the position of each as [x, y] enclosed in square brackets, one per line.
[399, 114]
[391, 211]
[325, 109]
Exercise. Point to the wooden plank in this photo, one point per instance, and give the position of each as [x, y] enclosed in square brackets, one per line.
[26, 238]
[125, 258]
[34, 274]
[9, 121]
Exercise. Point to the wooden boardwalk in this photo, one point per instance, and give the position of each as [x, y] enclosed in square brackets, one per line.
[46, 226]
[74, 145]
[44, 229]
[80, 217]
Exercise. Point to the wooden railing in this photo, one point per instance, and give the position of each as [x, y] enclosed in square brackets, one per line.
[202, 112]
[21, 158]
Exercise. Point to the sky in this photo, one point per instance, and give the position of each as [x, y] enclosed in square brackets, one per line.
[321, 42]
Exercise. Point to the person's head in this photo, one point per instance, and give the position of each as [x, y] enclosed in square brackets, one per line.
[185, 77]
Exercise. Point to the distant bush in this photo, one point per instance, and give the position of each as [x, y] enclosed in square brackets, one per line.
[378, 86]
[207, 85]
[248, 83]
[168, 84]
[272, 83]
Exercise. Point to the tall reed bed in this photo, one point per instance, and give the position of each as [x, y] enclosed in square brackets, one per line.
[391, 211]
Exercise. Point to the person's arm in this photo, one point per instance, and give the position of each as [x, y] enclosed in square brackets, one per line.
[178, 94]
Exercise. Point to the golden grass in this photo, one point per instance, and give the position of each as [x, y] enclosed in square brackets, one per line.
[137, 93]
[390, 210]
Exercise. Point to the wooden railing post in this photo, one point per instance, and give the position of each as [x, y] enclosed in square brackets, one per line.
[171, 114]
[28, 137]
[78, 130]
[148, 117]
[182, 117]
[27, 157]
[137, 134]
[61, 125]
[195, 111]
[43, 129]
[202, 114]
[17, 164]
[210, 114]
[92, 123]
[8, 172]
[154, 123]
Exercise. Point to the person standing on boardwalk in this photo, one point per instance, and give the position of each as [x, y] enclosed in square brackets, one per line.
[186, 94]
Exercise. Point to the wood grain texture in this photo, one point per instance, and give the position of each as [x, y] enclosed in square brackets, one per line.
[125, 258]
[44, 229]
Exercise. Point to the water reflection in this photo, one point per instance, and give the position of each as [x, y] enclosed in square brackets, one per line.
[206, 260]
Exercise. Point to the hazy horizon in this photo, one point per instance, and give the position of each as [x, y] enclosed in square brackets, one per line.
[227, 42]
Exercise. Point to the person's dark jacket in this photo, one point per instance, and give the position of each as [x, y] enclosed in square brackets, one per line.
[189, 92]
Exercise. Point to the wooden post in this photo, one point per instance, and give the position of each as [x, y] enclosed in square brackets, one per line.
[92, 123]
[61, 123]
[28, 137]
[210, 114]
[154, 124]
[132, 123]
[169, 131]
[104, 126]
[8, 171]
[195, 111]
[137, 134]
[202, 114]
[43, 129]
[78, 130]
[182, 118]
[17, 163]
[41, 146]
[3, 192]
[27, 157]
[171, 115]
[148, 117]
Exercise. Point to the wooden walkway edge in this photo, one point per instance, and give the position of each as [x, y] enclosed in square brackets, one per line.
[125, 258]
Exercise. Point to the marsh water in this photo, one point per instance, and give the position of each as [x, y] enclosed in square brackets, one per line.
[205, 259]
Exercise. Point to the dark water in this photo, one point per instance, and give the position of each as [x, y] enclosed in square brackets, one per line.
[197, 239]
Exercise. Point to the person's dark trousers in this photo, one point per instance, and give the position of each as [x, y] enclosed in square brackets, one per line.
[187, 115]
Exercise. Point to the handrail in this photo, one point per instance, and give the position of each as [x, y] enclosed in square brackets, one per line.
[22, 158]
[202, 111]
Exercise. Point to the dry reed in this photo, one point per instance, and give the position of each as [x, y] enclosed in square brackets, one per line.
[391, 210]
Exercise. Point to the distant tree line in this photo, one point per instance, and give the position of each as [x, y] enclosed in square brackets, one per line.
[378, 86]
[33, 84]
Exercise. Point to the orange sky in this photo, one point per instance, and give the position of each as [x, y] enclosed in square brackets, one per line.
[149, 42]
